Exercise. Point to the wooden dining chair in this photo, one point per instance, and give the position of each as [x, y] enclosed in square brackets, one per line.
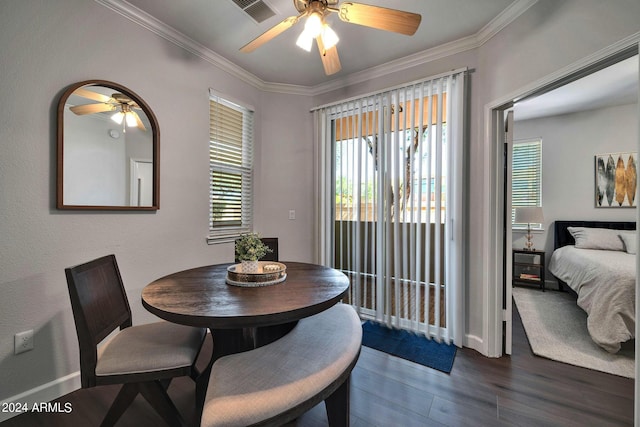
[143, 358]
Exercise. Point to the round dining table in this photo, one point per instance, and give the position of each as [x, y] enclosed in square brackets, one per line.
[241, 318]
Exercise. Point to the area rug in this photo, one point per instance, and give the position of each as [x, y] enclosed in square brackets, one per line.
[557, 329]
[409, 346]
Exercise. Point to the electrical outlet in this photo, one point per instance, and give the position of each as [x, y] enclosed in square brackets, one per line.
[292, 214]
[23, 341]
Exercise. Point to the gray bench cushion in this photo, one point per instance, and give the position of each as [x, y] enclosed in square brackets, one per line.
[253, 386]
[151, 347]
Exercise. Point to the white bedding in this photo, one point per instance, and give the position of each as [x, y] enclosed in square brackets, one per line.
[605, 284]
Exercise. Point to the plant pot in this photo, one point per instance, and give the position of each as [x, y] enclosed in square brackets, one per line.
[249, 266]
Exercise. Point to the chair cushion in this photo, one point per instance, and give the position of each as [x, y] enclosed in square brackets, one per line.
[253, 386]
[149, 347]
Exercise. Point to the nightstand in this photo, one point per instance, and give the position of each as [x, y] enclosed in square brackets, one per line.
[528, 267]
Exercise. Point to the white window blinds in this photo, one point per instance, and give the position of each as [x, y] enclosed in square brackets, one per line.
[527, 174]
[231, 169]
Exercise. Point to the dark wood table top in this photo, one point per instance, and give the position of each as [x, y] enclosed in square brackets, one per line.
[201, 297]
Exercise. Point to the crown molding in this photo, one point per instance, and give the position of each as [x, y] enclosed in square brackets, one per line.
[513, 11]
[506, 17]
[429, 55]
[158, 27]
[161, 29]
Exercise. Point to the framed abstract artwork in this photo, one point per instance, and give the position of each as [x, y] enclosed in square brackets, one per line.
[616, 180]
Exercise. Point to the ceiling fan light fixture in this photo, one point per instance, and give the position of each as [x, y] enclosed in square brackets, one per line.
[130, 119]
[305, 41]
[313, 25]
[329, 37]
[315, 11]
[118, 117]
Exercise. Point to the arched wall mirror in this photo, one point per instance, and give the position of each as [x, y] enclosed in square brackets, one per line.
[108, 149]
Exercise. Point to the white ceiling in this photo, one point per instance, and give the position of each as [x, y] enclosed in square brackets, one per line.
[222, 27]
[217, 29]
[614, 85]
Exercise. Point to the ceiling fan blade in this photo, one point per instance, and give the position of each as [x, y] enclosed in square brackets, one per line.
[91, 108]
[330, 58]
[91, 95]
[270, 34]
[381, 18]
[138, 121]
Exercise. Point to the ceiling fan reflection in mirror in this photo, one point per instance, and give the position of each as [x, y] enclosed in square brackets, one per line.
[122, 104]
[315, 27]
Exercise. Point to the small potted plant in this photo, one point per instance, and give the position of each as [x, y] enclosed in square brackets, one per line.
[249, 249]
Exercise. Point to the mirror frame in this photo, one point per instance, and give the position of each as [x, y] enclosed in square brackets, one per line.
[60, 148]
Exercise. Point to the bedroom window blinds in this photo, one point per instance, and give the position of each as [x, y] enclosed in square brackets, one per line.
[390, 186]
[231, 169]
[526, 176]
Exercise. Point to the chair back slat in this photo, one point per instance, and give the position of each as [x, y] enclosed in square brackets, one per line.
[272, 243]
[98, 300]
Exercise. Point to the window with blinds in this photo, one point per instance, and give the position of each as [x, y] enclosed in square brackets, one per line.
[526, 178]
[231, 169]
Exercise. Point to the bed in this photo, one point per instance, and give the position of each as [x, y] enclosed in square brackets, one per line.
[600, 270]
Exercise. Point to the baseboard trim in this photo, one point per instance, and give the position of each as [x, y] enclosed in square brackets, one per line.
[474, 342]
[43, 393]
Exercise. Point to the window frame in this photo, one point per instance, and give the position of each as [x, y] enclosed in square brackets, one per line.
[538, 192]
[220, 233]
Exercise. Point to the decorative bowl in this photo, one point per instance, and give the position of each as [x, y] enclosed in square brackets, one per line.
[268, 273]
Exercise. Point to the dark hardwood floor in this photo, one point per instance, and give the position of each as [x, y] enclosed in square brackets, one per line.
[521, 390]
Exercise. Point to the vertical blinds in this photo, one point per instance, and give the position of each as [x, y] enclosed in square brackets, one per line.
[231, 168]
[394, 203]
[527, 173]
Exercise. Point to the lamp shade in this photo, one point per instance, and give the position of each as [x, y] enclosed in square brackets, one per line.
[529, 215]
[313, 26]
[329, 37]
[118, 117]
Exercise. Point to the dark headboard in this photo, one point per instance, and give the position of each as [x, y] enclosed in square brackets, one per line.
[562, 237]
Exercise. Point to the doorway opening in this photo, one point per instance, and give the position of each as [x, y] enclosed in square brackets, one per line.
[498, 311]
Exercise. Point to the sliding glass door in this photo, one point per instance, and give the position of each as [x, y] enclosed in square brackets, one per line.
[392, 211]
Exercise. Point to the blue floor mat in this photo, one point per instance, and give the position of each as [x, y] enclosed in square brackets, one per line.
[409, 346]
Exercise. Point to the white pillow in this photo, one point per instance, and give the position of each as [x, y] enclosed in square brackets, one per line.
[597, 238]
[629, 240]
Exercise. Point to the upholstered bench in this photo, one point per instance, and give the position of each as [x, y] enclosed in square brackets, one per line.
[276, 383]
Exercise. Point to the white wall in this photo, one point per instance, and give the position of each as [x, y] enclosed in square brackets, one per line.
[569, 144]
[47, 46]
[284, 167]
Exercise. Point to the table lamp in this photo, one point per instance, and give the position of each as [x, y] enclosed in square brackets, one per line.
[529, 215]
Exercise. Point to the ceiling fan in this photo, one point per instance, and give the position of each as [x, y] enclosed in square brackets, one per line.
[116, 102]
[382, 18]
